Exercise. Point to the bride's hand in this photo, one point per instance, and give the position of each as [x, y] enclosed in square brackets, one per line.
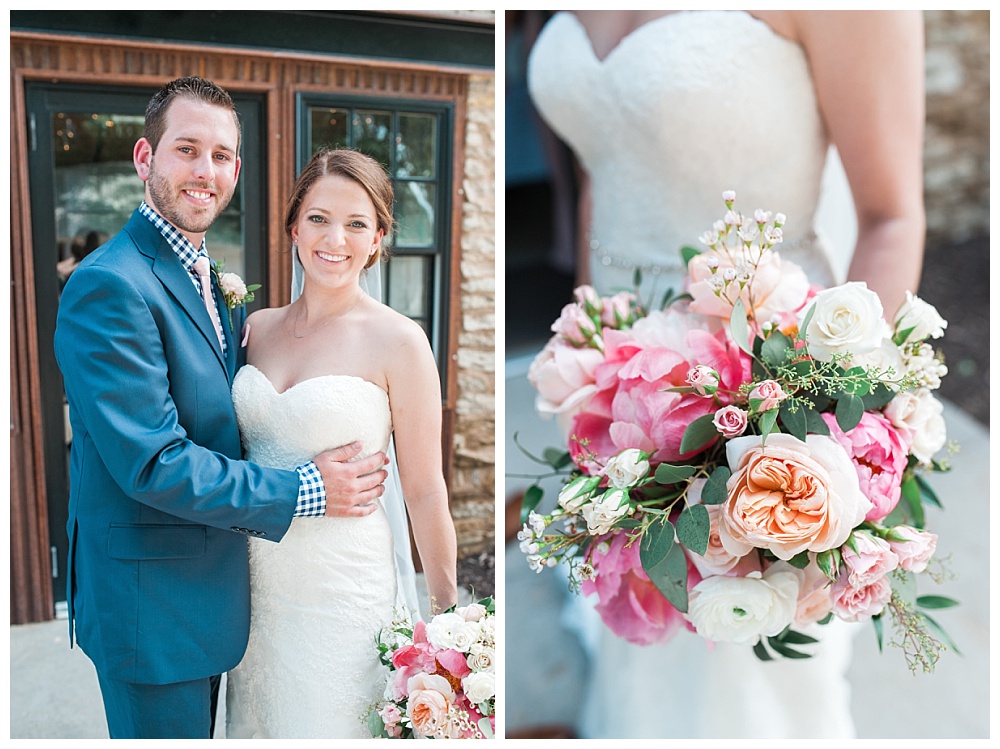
[351, 487]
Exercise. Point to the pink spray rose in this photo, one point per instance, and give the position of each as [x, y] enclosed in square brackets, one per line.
[629, 604]
[873, 560]
[859, 604]
[769, 393]
[704, 380]
[731, 421]
[617, 310]
[575, 325]
[879, 455]
[913, 547]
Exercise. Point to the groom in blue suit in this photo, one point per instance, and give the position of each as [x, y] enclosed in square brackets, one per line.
[161, 502]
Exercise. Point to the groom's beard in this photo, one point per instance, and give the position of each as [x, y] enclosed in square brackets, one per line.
[168, 202]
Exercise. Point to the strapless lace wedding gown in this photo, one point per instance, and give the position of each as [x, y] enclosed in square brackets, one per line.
[319, 597]
[685, 107]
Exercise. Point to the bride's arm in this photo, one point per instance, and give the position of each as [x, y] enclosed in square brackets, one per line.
[868, 71]
[415, 400]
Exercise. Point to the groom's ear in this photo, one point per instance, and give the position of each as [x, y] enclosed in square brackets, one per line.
[142, 157]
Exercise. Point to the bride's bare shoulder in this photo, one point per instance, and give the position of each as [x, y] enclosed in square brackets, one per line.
[397, 329]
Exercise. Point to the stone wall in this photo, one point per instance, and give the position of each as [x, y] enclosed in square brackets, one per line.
[473, 489]
[957, 140]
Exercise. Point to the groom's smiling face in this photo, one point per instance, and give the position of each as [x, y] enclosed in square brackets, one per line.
[192, 175]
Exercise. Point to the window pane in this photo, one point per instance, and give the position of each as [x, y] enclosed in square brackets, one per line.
[415, 142]
[328, 128]
[408, 280]
[373, 134]
[415, 208]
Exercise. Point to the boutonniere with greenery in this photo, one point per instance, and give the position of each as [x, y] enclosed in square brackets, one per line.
[234, 290]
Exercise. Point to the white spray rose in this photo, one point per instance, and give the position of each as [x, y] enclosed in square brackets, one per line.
[602, 515]
[847, 320]
[919, 417]
[744, 609]
[626, 468]
[922, 317]
[481, 658]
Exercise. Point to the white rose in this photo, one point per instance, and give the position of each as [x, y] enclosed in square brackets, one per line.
[626, 468]
[744, 609]
[479, 686]
[918, 416]
[452, 631]
[922, 317]
[481, 658]
[886, 356]
[233, 284]
[602, 515]
[577, 492]
[847, 320]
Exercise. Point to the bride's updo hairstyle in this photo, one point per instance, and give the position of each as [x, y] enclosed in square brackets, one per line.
[358, 167]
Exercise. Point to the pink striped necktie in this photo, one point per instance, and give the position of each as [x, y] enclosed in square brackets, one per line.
[202, 268]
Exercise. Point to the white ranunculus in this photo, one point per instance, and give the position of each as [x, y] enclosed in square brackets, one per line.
[602, 515]
[479, 686]
[918, 416]
[626, 468]
[922, 317]
[744, 609]
[847, 320]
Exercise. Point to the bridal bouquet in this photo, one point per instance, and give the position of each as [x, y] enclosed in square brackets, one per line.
[747, 460]
[441, 676]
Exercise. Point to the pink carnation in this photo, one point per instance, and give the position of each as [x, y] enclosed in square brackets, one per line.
[860, 604]
[873, 560]
[879, 455]
[629, 604]
[913, 547]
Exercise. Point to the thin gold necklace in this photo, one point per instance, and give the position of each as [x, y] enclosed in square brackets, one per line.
[298, 314]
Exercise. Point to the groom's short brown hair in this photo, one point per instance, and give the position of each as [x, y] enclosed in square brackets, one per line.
[191, 87]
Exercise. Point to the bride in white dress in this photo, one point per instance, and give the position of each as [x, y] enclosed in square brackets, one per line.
[334, 367]
[666, 110]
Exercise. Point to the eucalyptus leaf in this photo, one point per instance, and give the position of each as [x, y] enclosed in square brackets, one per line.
[557, 458]
[849, 411]
[670, 576]
[800, 561]
[532, 496]
[793, 418]
[698, 433]
[767, 423]
[776, 349]
[792, 637]
[879, 633]
[815, 424]
[715, 492]
[805, 322]
[941, 633]
[376, 726]
[655, 544]
[671, 474]
[485, 727]
[879, 396]
[911, 494]
[739, 328]
[693, 528]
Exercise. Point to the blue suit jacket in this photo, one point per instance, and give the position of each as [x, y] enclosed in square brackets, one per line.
[160, 503]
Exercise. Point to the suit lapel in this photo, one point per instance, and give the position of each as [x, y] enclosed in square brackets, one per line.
[227, 329]
[167, 267]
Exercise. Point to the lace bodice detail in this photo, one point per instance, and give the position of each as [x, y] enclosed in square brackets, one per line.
[654, 125]
[320, 595]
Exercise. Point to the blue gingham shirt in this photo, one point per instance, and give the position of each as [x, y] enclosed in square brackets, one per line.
[312, 493]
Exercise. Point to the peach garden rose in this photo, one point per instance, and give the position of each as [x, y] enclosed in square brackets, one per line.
[790, 496]
[430, 698]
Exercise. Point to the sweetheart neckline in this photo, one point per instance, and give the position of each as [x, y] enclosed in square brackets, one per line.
[312, 379]
[602, 61]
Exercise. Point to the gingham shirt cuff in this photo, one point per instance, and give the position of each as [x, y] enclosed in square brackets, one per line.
[312, 493]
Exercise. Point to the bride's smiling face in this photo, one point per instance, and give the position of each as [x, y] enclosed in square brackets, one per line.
[336, 231]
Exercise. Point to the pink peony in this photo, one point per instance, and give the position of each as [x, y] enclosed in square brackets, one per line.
[873, 560]
[634, 406]
[913, 547]
[879, 455]
[563, 376]
[629, 604]
[859, 604]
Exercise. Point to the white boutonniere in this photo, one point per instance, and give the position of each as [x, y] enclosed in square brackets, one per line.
[234, 290]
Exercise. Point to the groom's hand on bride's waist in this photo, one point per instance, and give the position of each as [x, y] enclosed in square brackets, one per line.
[352, 486]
